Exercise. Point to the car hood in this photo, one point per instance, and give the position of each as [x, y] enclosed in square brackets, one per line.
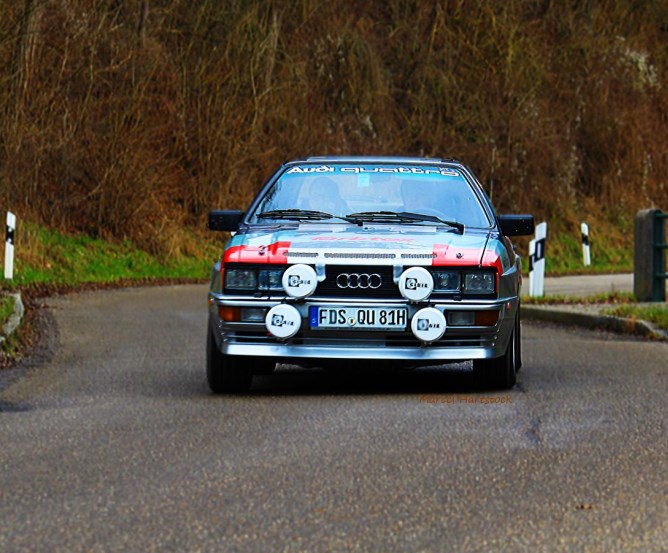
[369, 245]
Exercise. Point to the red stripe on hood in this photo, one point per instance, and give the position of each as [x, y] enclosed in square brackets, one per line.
[492, 259]
[454, 256]
[275, 253]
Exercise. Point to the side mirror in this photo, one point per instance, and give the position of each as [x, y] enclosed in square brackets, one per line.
[225, 219]
[516, 225]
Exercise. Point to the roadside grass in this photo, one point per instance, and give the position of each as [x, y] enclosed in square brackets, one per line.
[606, 258]
[6, 308]
[611, 245]
[657, 314]
[10, 351]
[48, 257]
[568, 260]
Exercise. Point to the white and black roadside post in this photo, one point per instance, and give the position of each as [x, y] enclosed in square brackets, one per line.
[9, 245]
[586, 253]
[532, 254]
[537, 261]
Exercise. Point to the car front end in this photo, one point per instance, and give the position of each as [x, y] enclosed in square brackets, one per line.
[385, 285]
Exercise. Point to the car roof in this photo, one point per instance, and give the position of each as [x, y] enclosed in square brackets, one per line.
[376, 159]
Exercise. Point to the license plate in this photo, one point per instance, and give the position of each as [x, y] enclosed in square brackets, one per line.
[349, 318]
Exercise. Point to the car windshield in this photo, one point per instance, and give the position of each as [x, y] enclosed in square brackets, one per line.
[361, 191]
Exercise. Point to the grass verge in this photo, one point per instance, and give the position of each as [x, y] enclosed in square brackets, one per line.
[611, 244]
[6, 308]
[657, 314]
[46, 257]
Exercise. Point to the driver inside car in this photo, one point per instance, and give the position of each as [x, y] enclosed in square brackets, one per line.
[421, 197]
[324, 195]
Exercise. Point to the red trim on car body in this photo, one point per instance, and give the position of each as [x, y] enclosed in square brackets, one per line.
[275, 254]
[455, 256]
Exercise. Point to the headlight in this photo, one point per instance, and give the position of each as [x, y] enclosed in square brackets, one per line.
[479, 282]
[446, 281]
[270, 279]
[241, 279]
[254, 279]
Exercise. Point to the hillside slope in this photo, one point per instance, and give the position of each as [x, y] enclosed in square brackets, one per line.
[129, 120]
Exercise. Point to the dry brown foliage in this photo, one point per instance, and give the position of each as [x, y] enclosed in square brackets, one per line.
[131, 119]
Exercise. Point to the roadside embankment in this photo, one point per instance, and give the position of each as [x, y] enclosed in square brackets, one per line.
[592, 301]
[11, 324]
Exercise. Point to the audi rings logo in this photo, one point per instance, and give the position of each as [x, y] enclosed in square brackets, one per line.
[359, 280]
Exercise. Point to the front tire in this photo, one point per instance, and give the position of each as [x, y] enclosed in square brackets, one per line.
[518, 338]
[500, 373]
[225, 374]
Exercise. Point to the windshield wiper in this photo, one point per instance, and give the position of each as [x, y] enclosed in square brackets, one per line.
[302, 215]
[433, 218]
[402, 217]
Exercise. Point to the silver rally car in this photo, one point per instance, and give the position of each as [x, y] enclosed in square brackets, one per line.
[383, 259]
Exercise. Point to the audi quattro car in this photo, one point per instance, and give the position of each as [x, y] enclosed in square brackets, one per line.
[381, 259]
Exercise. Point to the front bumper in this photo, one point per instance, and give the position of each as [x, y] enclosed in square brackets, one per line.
[459, 343]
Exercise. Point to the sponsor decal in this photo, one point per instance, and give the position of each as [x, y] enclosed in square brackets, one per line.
[295, 281]
[415, 284]
[280, 320]
[321, 169]
[357, 170]
[283, 321]
[423, 324]
[428, 324]
[299, 281]
[363, 239]
[444, 172]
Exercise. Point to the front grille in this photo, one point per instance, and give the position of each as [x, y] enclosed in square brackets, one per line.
[361, 255]
[387, 290]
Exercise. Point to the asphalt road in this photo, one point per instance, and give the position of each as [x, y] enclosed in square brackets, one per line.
[112, 442]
